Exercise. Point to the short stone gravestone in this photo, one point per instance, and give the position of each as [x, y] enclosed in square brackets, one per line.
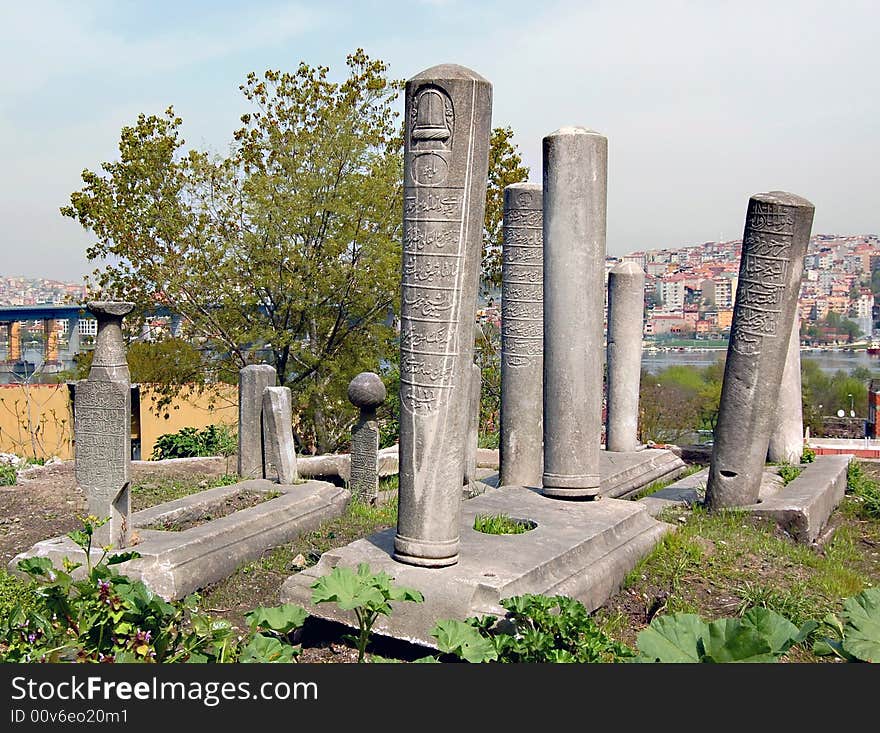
[278, 447]
[367, 393]
[102, 425]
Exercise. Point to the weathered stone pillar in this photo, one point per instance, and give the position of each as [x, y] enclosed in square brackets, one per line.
[102, 425]
[278, 449]
[473, 428]
[521, 448]
[446, 160]
[787, 436]
[252, 380]
[626, 308]
[367, 393]
[575, 176]
[777, 232]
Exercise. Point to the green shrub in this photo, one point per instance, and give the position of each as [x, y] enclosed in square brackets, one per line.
[809, 455]
[8, 476]
[107, 617]
[537, 628]
[214, 440]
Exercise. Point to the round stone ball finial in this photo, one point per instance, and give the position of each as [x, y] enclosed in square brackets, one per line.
[366, 391]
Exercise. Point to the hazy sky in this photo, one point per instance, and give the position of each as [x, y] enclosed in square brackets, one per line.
[703, 103]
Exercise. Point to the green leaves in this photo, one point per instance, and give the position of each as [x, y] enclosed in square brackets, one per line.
[366, 593]
[463, 640]
[361, 590]
[760, 635]
[267, 649]
[857, 636]
[280, 619]
[672, 639]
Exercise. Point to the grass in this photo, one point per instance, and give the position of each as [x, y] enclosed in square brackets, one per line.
[257, 582]
[14, 591]
[8, 476]
[501, 524]
[724, 563]
[161, 489]
[662, 483]
[865, 492]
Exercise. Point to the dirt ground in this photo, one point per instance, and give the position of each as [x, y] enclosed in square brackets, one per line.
[46, 502]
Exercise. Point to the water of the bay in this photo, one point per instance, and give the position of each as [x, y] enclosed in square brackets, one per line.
[827, 359]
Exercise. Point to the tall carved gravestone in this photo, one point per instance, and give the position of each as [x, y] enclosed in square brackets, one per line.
[367, 393]
[102, 425]
[575, 180]
[521, 449]
[626, 307]
[775, 240]
[446, 159]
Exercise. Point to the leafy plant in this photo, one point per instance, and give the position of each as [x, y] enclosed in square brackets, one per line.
[501, 524]
[788, 473]
[809, 455]
[855, 637]
[864, 490]
[189, 442]
[760, 635]
[8, 476]
[536, 628]
[366, 593]
[277, 624]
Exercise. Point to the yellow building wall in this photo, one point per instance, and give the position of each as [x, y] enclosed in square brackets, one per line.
[196, 412]
[36, 420]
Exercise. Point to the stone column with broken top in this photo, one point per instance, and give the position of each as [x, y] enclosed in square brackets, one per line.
[626, 307]
[521, 449]
[777, 232]
[252, 380]
[446, 154]
[787, 436]
[279, 450]
[102, 425]
[366, 392]
[575, 176]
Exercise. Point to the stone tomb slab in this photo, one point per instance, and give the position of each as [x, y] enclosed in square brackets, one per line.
[174, 564]
[801, 508]
[623, 474]
[578, 549]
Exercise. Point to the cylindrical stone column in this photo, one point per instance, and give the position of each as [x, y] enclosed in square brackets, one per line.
[102, 424]
[575, 176]
[521, 447]
[777, 232]
[787, 436]
[446, 160]
[626, 307]
[473, 431]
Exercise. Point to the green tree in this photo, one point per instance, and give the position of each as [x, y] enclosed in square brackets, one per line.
[505, 168]
[289, 245]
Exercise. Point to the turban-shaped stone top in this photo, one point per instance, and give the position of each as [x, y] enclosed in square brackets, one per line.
[366, 391]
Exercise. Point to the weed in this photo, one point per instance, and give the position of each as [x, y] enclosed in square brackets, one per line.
[501, 524]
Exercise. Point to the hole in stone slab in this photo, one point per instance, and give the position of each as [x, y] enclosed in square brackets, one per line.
[502, 524]
[728, 474]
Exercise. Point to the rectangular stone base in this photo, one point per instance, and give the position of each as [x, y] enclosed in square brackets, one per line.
[174, 564]
[579, 549]
[627, 473]
[801, 508]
